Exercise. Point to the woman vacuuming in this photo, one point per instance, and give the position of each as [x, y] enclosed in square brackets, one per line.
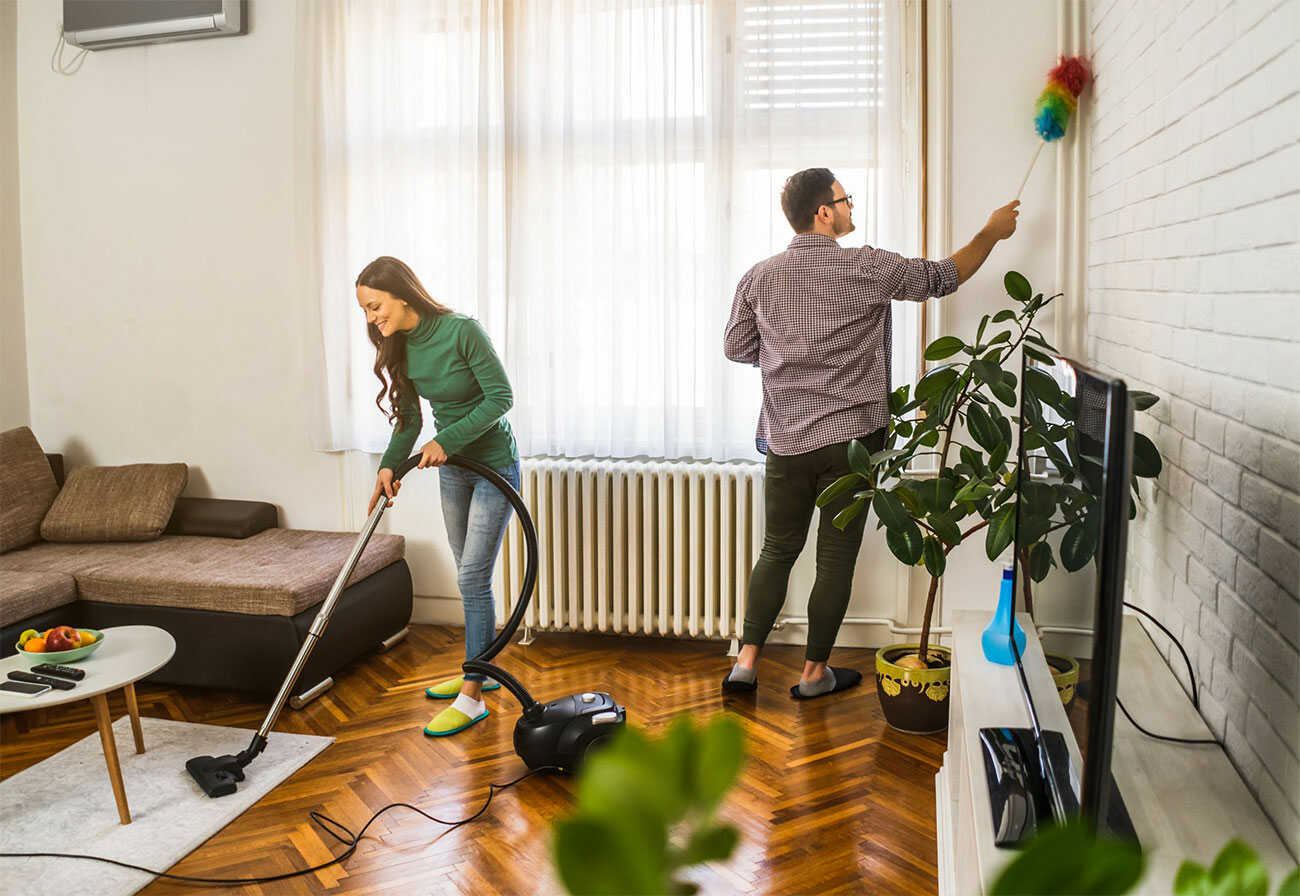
[425, 350]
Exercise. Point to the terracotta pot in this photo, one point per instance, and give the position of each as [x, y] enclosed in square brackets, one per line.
[914, 700]
[1065, 672]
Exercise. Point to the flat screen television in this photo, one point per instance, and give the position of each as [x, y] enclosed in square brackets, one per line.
[1073, 504]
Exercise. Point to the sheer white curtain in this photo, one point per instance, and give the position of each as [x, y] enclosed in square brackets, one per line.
[590, 178]
[404, 120]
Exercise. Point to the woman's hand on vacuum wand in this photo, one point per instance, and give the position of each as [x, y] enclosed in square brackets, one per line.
[431, 455]
[384, 485]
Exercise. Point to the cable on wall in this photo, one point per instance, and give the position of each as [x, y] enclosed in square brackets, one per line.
[71, 66]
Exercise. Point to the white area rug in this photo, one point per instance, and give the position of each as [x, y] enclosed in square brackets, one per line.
[65, 804]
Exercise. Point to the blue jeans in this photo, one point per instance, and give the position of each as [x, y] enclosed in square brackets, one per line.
[476, 514]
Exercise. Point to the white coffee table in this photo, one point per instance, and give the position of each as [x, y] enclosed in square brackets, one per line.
[129, 653]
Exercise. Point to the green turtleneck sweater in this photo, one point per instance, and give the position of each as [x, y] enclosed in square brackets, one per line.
[451, 361]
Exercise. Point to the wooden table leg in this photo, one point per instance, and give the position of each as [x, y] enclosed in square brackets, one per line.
[133, 710]
[100, 702]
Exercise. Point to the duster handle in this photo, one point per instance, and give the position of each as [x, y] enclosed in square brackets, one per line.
[1041, 144]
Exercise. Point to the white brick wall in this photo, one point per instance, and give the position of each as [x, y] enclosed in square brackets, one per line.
[1193, 293]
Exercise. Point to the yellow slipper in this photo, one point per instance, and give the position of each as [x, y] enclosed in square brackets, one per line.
[450, 721]
[447, 690]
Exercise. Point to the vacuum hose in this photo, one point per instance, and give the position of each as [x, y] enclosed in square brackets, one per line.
[482, 664]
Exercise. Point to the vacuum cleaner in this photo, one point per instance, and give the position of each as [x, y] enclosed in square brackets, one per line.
[557, 734]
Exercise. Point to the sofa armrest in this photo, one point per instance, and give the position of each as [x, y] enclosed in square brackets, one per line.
[56, 466]
[221, 518]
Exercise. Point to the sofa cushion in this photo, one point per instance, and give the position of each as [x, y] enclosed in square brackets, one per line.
[221, 517]
[48, 556]
[24, 594]
[278, 572]
[130, 503]
[27, 488]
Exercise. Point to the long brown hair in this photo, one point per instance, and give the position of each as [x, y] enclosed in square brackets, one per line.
[391, 275]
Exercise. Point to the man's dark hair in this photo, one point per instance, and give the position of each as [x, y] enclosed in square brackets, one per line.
[804, 193]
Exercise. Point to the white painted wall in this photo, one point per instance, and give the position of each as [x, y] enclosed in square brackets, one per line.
[13, 351]
[1194, 217]
[160, 289]
[993, 141]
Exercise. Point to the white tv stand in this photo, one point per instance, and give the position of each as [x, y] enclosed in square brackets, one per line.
[1186, 801]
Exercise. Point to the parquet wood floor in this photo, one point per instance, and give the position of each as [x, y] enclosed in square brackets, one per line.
[831, 799]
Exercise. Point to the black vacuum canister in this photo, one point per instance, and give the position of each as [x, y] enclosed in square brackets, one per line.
[560, 732]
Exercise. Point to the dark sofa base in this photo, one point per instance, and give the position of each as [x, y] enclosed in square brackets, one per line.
[239, 652]
[64, 615]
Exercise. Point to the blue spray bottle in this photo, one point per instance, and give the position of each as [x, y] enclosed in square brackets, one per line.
[997, 646]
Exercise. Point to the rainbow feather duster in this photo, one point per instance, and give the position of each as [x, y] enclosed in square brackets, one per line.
[1060, 98]
[1057, 103]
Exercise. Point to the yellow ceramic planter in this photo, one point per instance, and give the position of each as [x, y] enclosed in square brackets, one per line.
[913, 700]
[1065, 673]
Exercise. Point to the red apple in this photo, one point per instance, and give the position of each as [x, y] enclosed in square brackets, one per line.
[62, 638]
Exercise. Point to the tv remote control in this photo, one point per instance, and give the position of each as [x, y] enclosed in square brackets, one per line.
[57, 671]
[60, 683]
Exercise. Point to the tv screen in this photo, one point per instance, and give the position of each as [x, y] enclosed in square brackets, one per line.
[1073, 504]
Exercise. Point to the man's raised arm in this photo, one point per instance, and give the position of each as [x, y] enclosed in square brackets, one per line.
[1001, 224]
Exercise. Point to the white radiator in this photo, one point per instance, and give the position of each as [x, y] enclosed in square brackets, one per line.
[637, 548]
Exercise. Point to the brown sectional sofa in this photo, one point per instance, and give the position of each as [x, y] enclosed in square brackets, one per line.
[237, 593]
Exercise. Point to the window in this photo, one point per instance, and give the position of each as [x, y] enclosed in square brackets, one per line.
[591, 180]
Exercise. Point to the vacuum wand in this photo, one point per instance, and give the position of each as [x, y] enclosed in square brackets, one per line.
[218, 775]
[322, 619]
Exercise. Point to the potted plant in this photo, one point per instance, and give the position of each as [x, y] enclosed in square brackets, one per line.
[956, 415]
[1071, 858]
[646, 811]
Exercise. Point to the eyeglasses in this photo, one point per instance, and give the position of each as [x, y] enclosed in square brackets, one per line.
[847, 197]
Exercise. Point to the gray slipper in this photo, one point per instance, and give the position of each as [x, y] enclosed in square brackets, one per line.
[739, 685]
[844, 679]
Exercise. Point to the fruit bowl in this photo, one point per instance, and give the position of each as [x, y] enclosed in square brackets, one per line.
[64, 656]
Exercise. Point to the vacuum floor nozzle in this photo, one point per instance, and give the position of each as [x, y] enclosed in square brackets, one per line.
[217, 775]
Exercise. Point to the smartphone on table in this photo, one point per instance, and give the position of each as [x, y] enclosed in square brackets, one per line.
[23, 688]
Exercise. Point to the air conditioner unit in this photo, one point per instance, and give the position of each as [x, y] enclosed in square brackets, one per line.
[100, 24]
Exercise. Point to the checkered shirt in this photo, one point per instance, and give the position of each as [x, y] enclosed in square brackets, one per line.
[816, 319]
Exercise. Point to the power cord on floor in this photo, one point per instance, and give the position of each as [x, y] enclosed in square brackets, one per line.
[1196, 700]
[327, 824]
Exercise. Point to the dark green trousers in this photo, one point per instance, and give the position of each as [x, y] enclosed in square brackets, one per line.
[791, 485]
